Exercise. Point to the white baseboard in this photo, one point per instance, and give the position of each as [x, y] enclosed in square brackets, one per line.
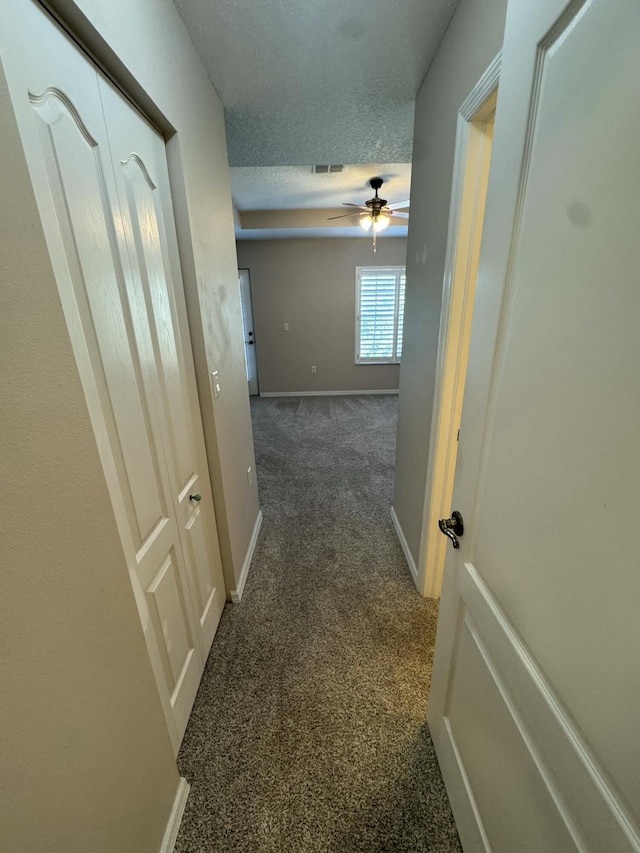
[325, 393]
[175, 818]
[236, 594]
[405, 548]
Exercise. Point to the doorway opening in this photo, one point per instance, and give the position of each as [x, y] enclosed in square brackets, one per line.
[474, 141]
[250, 357]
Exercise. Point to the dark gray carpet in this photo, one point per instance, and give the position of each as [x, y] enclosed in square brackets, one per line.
[308, 734]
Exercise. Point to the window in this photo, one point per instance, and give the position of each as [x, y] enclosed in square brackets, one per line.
[379, 314]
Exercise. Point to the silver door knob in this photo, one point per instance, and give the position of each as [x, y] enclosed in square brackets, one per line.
[452, 527]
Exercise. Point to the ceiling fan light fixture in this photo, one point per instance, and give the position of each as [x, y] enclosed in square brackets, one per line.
[377, 216]
[377, 223]
[380, 222]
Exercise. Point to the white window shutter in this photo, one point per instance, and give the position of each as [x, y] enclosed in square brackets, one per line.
[401, 290]
[380, 313]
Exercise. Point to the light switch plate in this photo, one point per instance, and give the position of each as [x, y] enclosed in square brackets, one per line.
[215, 381]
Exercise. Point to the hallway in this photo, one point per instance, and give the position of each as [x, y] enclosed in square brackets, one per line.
[308, 732]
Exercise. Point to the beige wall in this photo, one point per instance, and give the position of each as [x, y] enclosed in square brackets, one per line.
[86, 759]
[471, 41]
[310, 284]
[144, 44]
[87, 763]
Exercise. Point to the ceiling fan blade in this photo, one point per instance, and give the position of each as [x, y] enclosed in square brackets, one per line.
[399, 204]
[342, 216]
[399, 214]
[359, 206]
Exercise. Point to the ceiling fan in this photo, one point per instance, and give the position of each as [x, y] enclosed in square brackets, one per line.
[378, 213]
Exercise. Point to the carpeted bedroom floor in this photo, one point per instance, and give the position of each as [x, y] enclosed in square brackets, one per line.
[309, 731]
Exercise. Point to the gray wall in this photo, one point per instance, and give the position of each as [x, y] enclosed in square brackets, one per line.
[310, 284]
[472, 40]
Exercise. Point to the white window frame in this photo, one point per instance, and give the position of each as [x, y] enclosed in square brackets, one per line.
[399, 271]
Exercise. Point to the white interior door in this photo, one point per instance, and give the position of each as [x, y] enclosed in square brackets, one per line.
[155, 295]
[112, 262]
[251, 360]
[536, 687]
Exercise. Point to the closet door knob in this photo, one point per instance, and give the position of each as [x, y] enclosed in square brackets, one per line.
[195, 498]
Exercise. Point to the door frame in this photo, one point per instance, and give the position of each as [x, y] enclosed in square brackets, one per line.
[466, 215]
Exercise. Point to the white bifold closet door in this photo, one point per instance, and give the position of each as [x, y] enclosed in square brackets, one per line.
[100, 176]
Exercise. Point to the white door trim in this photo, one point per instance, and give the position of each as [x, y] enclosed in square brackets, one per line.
[450, 372]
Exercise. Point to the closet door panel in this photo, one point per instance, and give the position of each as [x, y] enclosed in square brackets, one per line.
[77, 185]
[140, 170]
[145, 248]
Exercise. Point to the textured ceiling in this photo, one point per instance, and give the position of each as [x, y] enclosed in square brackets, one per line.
[307, 82]
[295, 187]
[317, 81]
